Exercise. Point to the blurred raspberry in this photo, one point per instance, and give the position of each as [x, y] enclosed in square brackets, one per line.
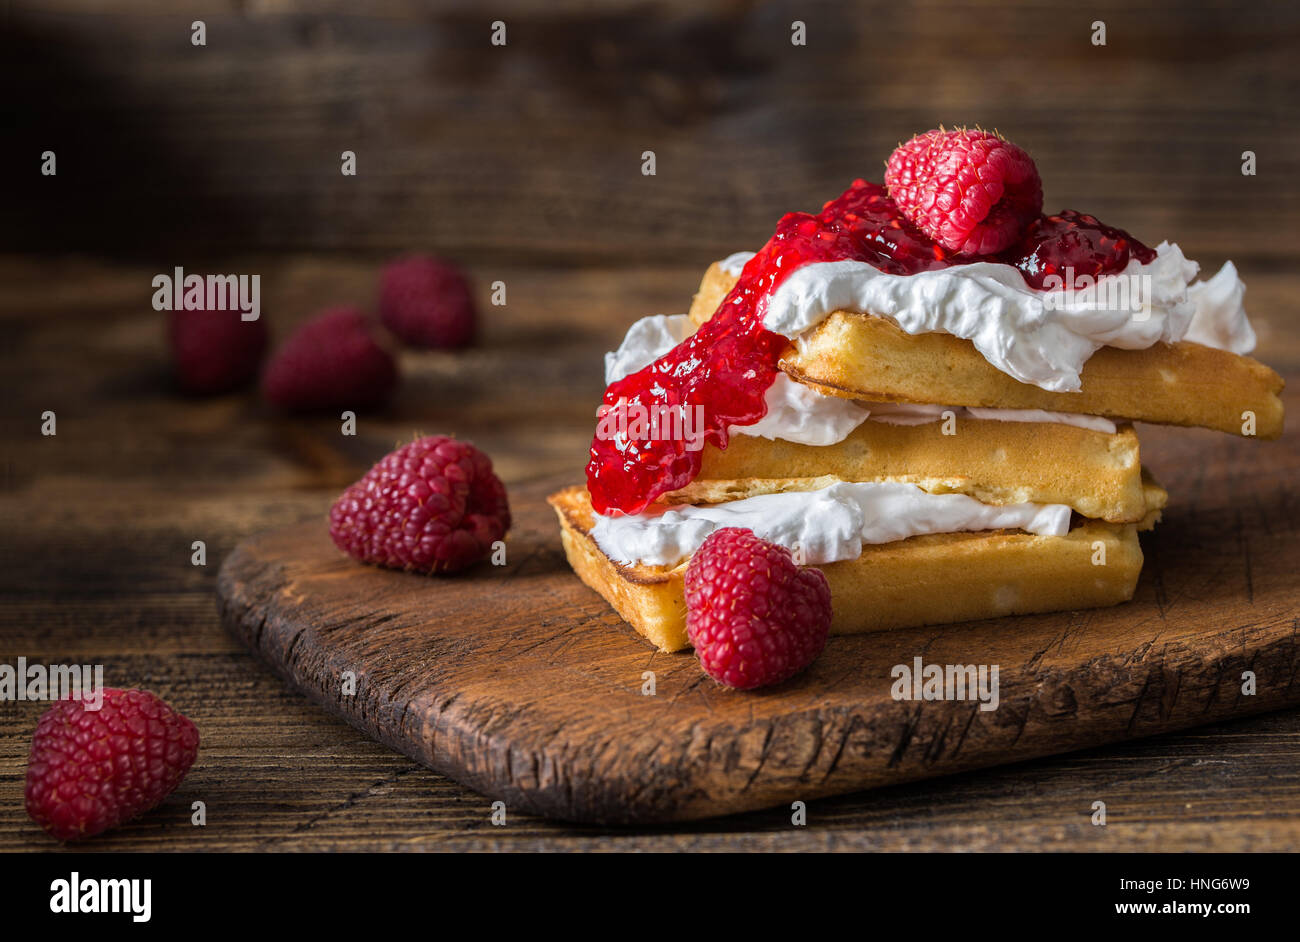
[214, 351]
[427, 303]
[333, 361]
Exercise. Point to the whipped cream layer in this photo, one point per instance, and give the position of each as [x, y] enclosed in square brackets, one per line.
[828, 525]
[1220, 320]
[1038, 337]
[911, 413]
[798, 413]
[646, 341]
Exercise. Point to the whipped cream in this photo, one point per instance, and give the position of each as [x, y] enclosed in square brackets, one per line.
[646, 341]
[1035, 336]
[797, 413]
[911, 413]
[827, 525]
[1220, 319]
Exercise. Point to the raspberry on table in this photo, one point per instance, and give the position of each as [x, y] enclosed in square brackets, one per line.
[432, 506]
[973, 192]
[214, 351]
[427, 302]
[333, 361]
[754, 616]
[91, 770]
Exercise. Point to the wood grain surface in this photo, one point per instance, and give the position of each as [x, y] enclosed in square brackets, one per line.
[528, 167]
[520, 682]
[96, 568]
[532, 151]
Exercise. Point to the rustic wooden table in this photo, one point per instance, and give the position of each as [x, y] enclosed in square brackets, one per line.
[96, 568]
[525, 162]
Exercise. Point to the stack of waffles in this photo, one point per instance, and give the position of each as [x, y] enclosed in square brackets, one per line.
[945, 442]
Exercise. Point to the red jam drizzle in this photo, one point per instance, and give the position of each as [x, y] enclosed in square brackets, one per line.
[726, 367]
[1076, 243]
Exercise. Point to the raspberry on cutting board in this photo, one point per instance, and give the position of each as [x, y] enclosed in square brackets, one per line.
[973, 192]
[434, 505]
[753, 615]
[91, 770]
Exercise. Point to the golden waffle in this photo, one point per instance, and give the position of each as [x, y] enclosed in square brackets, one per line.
[858, 356]
[935, 579]
[1096, 474]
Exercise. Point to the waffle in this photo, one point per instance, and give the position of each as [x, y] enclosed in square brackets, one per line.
[934, 579]
[858, 356]
[992, 461]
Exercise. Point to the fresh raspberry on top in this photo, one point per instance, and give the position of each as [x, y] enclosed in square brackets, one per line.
[971, 191]
[214, 351]
[333, 361]
[754, 616]
[427, 302]
[91, 770]
[431, 506]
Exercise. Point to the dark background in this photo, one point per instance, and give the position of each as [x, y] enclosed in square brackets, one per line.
[524, 163]
[531, 152]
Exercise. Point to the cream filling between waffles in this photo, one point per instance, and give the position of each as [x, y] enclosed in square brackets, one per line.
[797, 413]
[822, 526]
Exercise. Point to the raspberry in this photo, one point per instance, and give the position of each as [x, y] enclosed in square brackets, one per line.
[91, 770]
[333, 361]
[1078, 243]
[214, 351]
[431, 506]
[971, 191]
[754, 616]
[427, 302]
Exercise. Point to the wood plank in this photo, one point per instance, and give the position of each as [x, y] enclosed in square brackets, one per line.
[95, 565]
[531, 694]
[532, 152]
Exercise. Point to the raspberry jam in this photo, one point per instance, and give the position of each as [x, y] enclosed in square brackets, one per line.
[1074, 241]
[723, 370]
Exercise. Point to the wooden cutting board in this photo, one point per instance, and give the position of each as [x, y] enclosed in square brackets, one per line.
[521, 683]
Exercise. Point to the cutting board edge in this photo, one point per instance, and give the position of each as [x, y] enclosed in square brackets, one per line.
[607, 803]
